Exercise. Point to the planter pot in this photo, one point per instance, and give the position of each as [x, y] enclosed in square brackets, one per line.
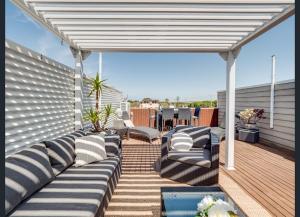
[248, 135]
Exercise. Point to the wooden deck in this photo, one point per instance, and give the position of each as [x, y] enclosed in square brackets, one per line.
[265, 173]
[262, 184]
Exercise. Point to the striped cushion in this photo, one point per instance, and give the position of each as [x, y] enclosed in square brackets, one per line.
[200, 136]
[181, 142]
[89, 149]
[62, 151]
[200, 157]
[25, 173]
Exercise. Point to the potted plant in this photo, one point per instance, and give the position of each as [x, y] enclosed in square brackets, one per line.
[105, 114]
[250, 117]
[93, 115]
[247, 127]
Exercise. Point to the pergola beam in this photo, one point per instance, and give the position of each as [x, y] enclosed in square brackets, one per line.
[153, 28]
[172, 1]
[149, 22]
[275, 21]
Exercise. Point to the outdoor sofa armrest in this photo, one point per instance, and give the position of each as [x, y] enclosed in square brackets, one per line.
[165, 142]
[214, 149]
[113, 145]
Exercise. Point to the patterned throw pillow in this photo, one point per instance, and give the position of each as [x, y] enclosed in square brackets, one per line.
[89, 149]
[200, 136]
[62, 151]
[26, 172]
[181, 142]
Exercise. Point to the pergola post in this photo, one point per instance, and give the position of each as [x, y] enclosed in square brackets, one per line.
[78, 91]
[100, 76]
[230, 58]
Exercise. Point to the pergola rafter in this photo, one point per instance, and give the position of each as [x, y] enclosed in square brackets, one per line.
[140, 24]
[221, 26]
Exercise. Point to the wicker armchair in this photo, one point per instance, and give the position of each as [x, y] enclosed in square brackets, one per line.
[196, 172]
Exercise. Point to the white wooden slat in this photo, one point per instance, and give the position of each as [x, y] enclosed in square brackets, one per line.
[157, 7]
[39, 98]
[283, 133]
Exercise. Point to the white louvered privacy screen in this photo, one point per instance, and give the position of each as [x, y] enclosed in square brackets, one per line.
[158, 25]
[39, 101]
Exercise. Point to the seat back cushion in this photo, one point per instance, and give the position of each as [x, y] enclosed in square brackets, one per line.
[181, 142]
[62, 151]
[89, 149]
[200, 136]
[26, 172]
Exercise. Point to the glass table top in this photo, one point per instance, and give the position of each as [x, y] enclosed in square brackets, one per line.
[182, 201]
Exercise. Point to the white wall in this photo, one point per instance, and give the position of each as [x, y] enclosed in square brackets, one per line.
[283, 133]
[39, 98]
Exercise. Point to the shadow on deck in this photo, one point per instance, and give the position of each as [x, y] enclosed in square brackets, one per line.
[263, 182]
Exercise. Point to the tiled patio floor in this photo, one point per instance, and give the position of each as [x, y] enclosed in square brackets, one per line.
[262, 175]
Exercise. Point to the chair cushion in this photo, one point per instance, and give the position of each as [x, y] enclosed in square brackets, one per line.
[26, 172]
[89, 149]
[61, 151]
[200, 136]
[196, 156]
[181, 142]
[101, 170]
[151, 133]
[72, 198]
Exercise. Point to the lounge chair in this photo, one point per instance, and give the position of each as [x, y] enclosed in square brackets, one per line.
[147, 132]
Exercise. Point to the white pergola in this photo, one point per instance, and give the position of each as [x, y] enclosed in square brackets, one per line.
[220, 26]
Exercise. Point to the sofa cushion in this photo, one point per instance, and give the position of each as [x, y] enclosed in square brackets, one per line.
[200, 136]
[62, 151]
[101, 170]
[72, 198]
[181, 141]
[89, 149]
[197, 156]
[25, 173]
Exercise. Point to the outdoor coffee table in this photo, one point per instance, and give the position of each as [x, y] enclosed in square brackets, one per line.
[182, 201]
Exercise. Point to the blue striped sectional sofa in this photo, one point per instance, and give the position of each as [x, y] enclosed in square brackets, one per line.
[42, 181]
[198, 166]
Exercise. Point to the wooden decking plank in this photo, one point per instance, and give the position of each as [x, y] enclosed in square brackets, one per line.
[264, 173]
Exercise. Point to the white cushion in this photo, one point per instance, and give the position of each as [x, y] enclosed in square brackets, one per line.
[128, 123]
[181, 142]
[89, 149]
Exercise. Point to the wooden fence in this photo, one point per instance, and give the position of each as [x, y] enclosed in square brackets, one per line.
[208, 117]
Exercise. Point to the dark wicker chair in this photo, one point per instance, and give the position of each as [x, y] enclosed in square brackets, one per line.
[200, 172]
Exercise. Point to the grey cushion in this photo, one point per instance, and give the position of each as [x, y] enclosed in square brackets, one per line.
[220, 132]
[200, 135]
[89, 149]
[150, 133]
[25, 173]
[62, 151]
[199, 156]
[71, 198]
[101, 170]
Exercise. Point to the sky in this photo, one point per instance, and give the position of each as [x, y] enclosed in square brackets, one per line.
[191, 76]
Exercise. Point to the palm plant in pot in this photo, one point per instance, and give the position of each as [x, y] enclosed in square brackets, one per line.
[107, 112]
[94, 115]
